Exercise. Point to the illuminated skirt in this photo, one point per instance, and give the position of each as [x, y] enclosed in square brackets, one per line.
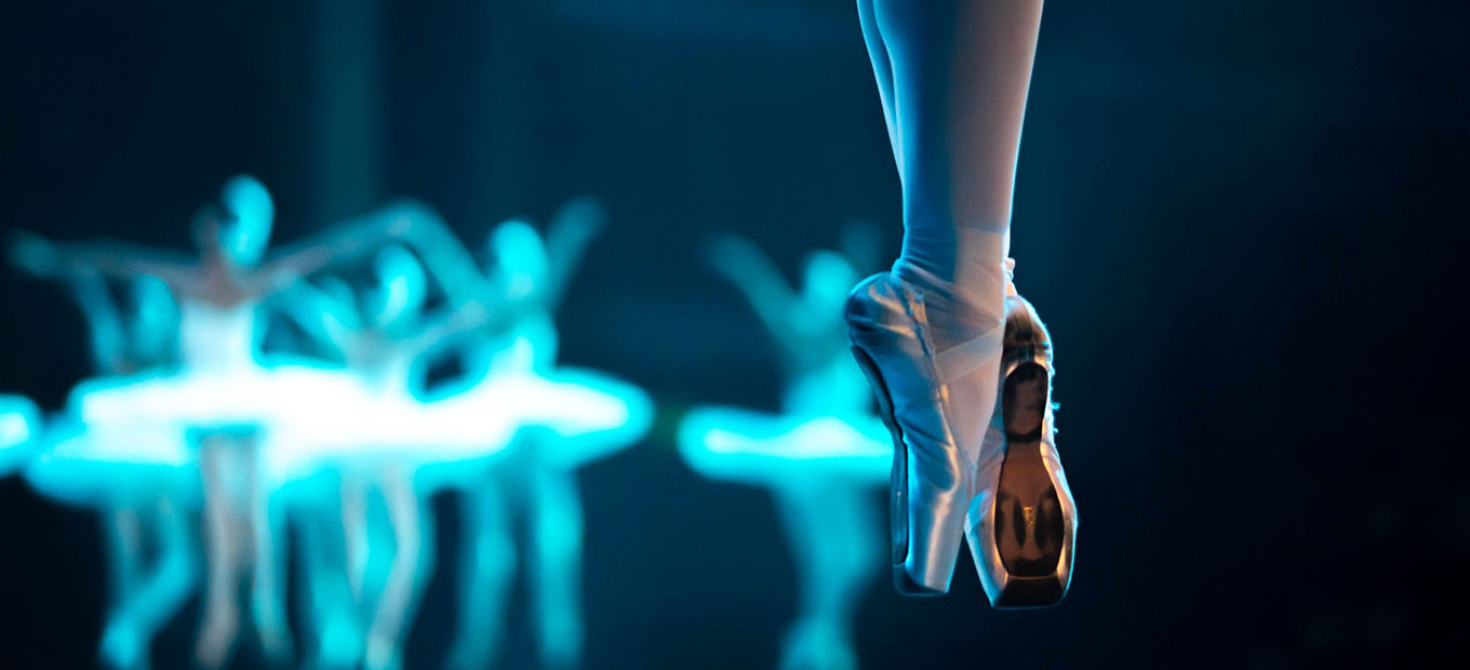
[757, 448]
[124, 466]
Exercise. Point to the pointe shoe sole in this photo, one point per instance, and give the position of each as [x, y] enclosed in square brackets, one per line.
[1025, 536]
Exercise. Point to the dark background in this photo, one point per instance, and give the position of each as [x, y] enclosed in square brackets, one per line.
[1243, 222]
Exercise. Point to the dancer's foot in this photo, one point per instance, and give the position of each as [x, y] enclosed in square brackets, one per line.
[272, 629]
[561, 641]
[340, 644]
[817, 645]
[1023, 524]
[216, 638]
[932, 361]
[124, 648]
[382, 653]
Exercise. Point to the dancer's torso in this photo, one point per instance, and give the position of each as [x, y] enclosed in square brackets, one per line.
[834, 387]
[529, 345]
[214, 338]
[822, 378]
[217, 320]
[386, 366]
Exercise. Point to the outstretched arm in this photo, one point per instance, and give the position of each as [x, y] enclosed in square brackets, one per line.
[746, 266]
[575, 225]
[90, 291]
[44, 258]
[410, 222]
[323, 315]
[457, 324]
[449, 262]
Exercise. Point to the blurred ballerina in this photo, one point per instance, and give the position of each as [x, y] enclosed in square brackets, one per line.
[220, 389]
[136, 478]
[573, 417]
[379, 435]
[822, 459]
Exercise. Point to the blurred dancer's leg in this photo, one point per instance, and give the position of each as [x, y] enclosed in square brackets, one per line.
[159, 591]
[829, 528]
[333, 612]
[413, 541]
[223, 548]
[557, 527]
[123, 544]
[268, 579]
[487, 564]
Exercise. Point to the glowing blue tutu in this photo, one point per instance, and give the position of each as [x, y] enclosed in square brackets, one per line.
[231, 397]
[757, 448]
[364, 429]
[593, 415]
[122, 465]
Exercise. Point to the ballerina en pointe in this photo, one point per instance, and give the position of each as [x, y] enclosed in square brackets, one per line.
[946, 467]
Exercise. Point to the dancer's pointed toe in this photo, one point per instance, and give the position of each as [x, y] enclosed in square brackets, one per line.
[889, 327]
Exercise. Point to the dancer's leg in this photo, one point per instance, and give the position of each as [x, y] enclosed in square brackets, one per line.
[221, 622]
[883, 73]
[828, 528]
[487, 563]
[355, 534]
[333, 613]
[122, 542]
[961, 70]
[268, 580]
[930, 339]
[161, 592]
[557, 577]
[412, 562]
[858, 549]
[379, 547]
[122, 539]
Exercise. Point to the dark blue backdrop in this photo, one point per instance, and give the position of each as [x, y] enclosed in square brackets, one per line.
[1242, 220]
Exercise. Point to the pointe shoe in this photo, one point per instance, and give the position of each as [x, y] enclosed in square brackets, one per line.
[1023, 523]
[889, 324]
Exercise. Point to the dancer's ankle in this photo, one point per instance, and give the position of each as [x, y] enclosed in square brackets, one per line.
[954, 316]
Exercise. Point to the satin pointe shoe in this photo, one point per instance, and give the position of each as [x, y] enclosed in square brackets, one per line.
[1023, 523]
[921, 398]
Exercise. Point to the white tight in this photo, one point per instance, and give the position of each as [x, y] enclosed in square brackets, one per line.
[953, 76]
